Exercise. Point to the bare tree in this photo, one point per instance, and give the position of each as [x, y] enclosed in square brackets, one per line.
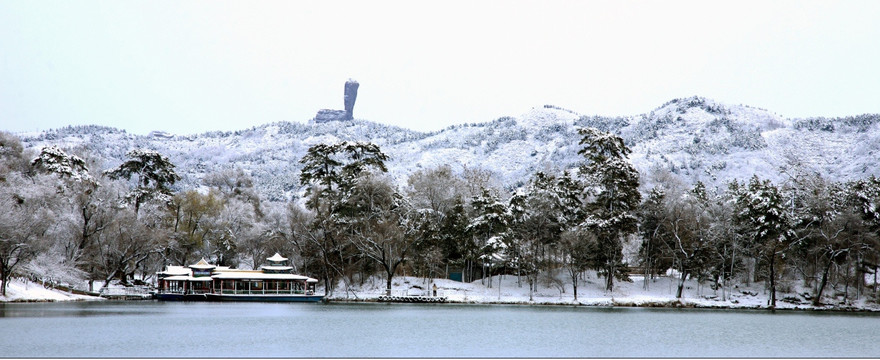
[235, 183]
[435, 189]
[25, 223]
[191, 220]
[381, 233]
[127, 243]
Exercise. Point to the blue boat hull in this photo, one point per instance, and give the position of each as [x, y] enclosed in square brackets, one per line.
[265, 298]
[180, 297]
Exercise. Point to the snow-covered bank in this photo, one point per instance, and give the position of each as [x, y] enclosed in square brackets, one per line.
[27, 291]
[660, 292]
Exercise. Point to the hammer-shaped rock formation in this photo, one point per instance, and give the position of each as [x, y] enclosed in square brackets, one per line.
[349, 97]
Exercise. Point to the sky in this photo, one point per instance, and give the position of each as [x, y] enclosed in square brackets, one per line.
[188, 67]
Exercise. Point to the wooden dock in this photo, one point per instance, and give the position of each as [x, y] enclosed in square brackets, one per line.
[412, 299]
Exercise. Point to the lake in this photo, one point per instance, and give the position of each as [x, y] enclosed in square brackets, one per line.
[178, 329]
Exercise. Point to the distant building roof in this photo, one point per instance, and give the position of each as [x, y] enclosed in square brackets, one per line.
[236, 275]
[277, 258]
[202, 264]
[276, 268]
[172, 270]
[188, 278]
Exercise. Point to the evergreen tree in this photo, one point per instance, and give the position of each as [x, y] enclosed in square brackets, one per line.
[655, 233]
[154, 172]
[863, 198]
[491, 220]
[764, 221]
[453, 235]
[54, 160]
[331, 174]
[615, 198]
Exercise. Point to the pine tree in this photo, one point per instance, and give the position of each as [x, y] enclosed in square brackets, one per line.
[334, 176]
[655, 232]
[154, 172]
[615, 198]
[864, 199]
[454, 240]
[491, 220]
[54, 160]
[763, 219]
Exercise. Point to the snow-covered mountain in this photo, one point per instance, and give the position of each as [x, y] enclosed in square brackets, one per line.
[695, 138]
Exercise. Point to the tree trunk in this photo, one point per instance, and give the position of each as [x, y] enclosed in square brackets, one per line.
[732, 263]
[875, 280]
[847, 280]
[817, 300]
[531, 288]
[3, 280]
[609, 278]
[388, 285]
[519, 274]
[860, 277]
[773, 281]
[107, 280]
[681, 280]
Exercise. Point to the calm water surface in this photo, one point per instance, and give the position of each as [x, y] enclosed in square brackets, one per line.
[175, 329]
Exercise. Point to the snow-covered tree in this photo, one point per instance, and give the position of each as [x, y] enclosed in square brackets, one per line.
[331, 174]
[538, 218]
[435, 189]
[454, 241]
[655, 232]
[129, 242]
[385, 229]
[688, 243]
[236, 224]
[55, 161]
[235, 182]
[863, 198]
[764, 221]
[25, 224]
[491, 219]
[12, 155]
[613, 184]
[573, 242]
[154, 174]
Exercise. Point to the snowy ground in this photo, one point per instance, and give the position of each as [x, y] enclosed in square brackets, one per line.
[25, 291]
[660, 292]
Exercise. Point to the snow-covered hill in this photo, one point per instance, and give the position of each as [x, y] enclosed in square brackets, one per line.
[694, 138]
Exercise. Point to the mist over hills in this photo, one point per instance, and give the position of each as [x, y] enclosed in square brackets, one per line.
[692, 138]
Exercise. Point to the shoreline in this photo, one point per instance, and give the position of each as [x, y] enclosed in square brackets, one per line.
[477, 294]
[618, 304]
[611, 304]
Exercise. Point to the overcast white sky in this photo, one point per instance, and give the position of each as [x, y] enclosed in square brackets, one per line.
[194, 66]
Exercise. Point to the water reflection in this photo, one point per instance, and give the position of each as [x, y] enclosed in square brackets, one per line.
[169, 329]
[72, 309]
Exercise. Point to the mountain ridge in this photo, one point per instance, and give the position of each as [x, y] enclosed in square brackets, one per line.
[693, 138]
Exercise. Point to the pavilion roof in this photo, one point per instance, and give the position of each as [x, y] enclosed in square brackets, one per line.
[202, 264]
[277, 258]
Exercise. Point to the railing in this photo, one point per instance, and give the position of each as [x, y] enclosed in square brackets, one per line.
[187, 292]
[415, 292]
[266, 292]
[413, 296]
[140, 292]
